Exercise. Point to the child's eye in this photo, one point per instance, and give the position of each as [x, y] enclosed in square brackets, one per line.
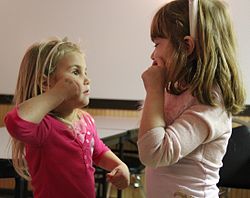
[76, 72]
[156, 44]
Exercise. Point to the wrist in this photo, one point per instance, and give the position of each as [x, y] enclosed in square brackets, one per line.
[59, 94]
[156, 91]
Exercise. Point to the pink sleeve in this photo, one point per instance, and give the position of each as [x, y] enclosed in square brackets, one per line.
[25, 131]
[99, 150]
[196, 126]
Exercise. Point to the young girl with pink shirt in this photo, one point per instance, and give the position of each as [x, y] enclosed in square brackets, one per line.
[192, 90]
[54, 141]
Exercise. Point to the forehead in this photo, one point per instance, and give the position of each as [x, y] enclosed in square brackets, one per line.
[73, 59]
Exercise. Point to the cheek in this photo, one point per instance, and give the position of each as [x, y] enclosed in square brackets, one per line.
[169, 68]
[80, 83]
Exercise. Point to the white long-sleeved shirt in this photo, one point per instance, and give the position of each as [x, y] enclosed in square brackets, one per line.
[183, 159]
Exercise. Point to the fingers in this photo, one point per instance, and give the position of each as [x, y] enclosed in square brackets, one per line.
[155, 77]
[73, 82]
[111, 174]
[118, 179]
[68, 87]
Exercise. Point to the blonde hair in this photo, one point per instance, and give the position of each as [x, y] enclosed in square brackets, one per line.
[213, 61]
[38, 63]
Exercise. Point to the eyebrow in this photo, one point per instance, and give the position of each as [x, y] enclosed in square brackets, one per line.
[78, 67]
[75, 66]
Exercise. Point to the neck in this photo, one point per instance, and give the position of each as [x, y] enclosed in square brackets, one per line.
[67, 118]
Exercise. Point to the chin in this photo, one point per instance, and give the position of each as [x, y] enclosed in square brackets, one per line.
[85, 102]
[80, 102]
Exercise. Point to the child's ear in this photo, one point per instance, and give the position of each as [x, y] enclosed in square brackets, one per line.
[189, 41]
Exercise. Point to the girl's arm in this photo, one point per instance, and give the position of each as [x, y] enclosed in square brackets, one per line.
[153, 109]
[152, 114]
[119, 175]
[109, 161]
[36, 108]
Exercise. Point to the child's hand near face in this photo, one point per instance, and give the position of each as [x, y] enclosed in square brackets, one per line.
[119, 177]
[154, 78]
[68, 87]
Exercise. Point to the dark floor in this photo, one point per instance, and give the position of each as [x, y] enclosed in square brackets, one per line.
[7, 193]
[10, 196]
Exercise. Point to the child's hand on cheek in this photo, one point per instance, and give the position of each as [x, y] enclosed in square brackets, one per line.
[68, 87]
[154, 78]
[119, 177]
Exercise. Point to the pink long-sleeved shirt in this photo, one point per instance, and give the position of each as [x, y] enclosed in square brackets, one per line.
[60, 161]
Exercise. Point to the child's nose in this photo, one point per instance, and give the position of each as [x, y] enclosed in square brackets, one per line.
[152, 56]
[86, 81]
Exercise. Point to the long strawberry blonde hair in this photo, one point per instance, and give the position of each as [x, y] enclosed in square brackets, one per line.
[39, 61]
